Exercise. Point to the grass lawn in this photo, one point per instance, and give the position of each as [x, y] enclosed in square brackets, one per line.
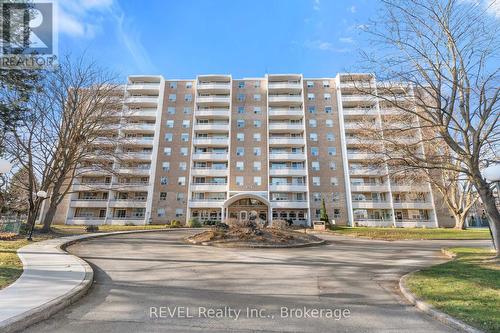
[411, 233]
[467, 288]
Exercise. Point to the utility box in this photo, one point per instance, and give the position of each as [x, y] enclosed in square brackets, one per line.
[319, 225]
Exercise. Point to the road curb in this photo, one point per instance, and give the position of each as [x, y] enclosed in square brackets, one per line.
[431, 310]
[31, 316]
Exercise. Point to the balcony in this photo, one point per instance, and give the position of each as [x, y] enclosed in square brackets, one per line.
[370, 187]
[209, 172]
[361, 141]
[287, 156]
[211, 142]
[359, 112]
[212, 127]
[358, 98]
[127, 203]
[412, 205]
[288, 188]
[134, 171]
[285, 113]
[356, 85]
[205, 203]
[208, 187]
[369, 204]
[215, 113]
[292, 204]
[142, 113]
[132, 187]
[144, 88]
[214, 100]
[89, 203]
[286, 127]
[138, 127]
[286, 141]
[140, 141]
[287, 172]
[366, 172]
[135, 156]
[354, 125]
[144, 101]
[409, 188]
[277, 85]
[90, 186]
[363, 156]
[213, 86]
[92, 171]
[105, 141]
[285, 99]
[210, 156]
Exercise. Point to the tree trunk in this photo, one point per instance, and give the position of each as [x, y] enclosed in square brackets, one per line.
[488, 200]
[460, 221]
[49, 216]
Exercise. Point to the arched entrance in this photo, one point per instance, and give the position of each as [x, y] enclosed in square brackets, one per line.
[246, 206]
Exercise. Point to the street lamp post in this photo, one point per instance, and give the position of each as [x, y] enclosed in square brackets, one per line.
[492, 174]
[42, 195]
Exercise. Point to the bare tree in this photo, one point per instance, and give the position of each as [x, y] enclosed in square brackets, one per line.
[435, 60]
[74, 108]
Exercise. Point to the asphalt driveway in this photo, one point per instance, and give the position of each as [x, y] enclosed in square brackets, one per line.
[154, 282]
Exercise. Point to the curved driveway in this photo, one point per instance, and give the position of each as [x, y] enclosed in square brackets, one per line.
[136, 274]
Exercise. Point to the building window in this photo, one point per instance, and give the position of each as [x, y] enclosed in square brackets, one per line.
[170, 124]
[171, 110]
[316, 196]
[189, 85]
[256, 137]
[182, 166]
[257, 123]
[185, 123]
[160, 211]
[239, 180]
[172, 97]
[311, 109]
[332, 151]
[181, 181]
[329, 123]
[179, 212]
[315, 165]
[313, 136]
[256, 84]
[310, 84]
[180, 196]
[186, 110]
[163, 196]
[240, 165]
[241, 97]
[240, 151]
[328, 109]
[336, 213]
[310, 97]
[327, 96]
[317, 213]
[173, 85]
[313, 123]
[167, 151]
[188, 97]
[169, 137]
[184, 151]
[240, 123]
[256, 97]
[257, 110]
[256, 166]
[241, 109]
[334, 181]
[316, 181]
[314, 151]
[333, 165]
[241, 84]
[164, 180]
[335, 196]
[256, 151]
[257, 181]
[326, 84]
[185, 137]
[240, 136]
[166, 166]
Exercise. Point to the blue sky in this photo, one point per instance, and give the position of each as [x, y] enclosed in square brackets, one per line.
[180, 39]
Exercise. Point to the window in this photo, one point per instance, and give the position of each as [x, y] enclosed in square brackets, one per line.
[315, 165]
[257, 181]
[256, 166]
[173, 85]
[316, 181]
[313, 123]
[241, 84]
[328, 109]
[240, 136]
[188, 97]
[311, 109]
[256, 84]
[240, 123]
[310, 97]
[189, 85]
[167, 151]
[257, 123]
[317, 213]
[170, 124]
[164, 180]
[186, 110]
[329, 123]
[185, 123]
[181, 181]
[179, 212]
[256, 151]
[184, 151]
[240, 165]
[336, 213]
[327, 96]
[169, 137]
[163, 196]
[241, 109]
[172, 97]
[330, 137]
[256, 97]
[239, 180]
[335, 196]
[333, 165]
[316, 196]
[310, 84]
[171, 110]
[160, 211]
[332, 151]
[257, 110]
[256, 137]
[166, 166]
[313, 136]
[240, 151]
[180, 196]
[326, 84]
[314, 151]
[334, 181]
[185, 137]
[241, 97]
[182, 166]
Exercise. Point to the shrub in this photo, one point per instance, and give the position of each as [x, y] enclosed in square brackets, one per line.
[175, 224]
[6, 236]
[194, 223]
[210, 222]
[92, 228]
[221, 226]
[280, 224]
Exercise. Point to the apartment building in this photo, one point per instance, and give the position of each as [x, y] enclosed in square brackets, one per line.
[215, 148]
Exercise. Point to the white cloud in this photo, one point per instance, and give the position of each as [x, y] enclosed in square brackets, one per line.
[352, 9]
[347, 40]
[323, 46]
[82, 18]
[316, 5]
